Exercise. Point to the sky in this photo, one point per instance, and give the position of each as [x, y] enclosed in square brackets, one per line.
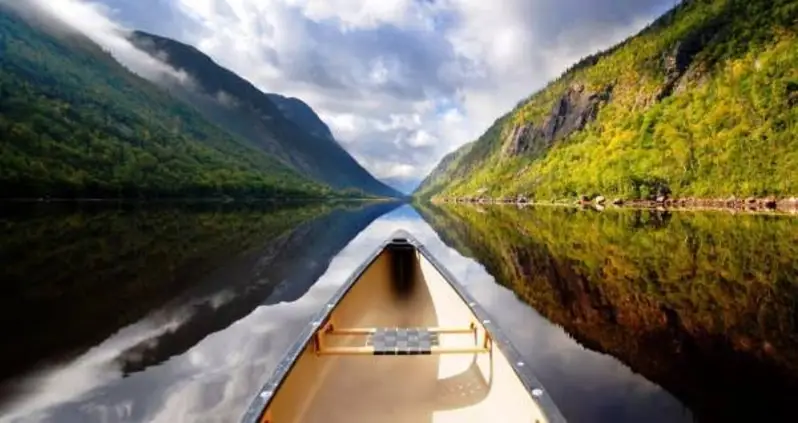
[401, 83]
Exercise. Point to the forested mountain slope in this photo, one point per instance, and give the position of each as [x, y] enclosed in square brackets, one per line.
[302, 115]
[75, 123]
[285, 127]
[701, 103]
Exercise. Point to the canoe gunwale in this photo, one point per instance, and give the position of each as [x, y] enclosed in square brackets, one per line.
[516, 360]
[262, 400]
[264, 397]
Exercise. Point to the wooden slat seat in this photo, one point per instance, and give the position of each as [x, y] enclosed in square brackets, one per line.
[406, 341]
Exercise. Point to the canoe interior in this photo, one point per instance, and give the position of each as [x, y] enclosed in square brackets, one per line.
[336, 379]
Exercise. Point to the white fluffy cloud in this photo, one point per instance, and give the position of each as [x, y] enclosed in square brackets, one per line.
[365, 14]
[404, 82]
[400, 82]
[94, 20]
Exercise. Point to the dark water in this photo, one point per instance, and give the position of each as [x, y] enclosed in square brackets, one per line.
[172, 313]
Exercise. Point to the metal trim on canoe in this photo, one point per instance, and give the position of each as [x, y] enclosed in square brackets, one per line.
[528, 379]
[533, 386]
[266, 393]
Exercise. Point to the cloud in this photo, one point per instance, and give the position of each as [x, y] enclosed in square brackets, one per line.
[400, 82]
[366, 14]
[93, 21]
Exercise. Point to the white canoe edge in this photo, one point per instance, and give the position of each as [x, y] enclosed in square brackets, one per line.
[469, 372]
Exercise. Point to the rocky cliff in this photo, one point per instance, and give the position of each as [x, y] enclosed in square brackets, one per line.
[571, 113]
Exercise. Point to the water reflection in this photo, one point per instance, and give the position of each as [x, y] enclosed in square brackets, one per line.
[614, 285]
[702, 304]
[73, 274]
[157, 279]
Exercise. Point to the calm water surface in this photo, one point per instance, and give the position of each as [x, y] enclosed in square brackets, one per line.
[118, 313]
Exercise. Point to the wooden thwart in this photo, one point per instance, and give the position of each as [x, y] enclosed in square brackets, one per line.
[371, 331]
[371, 351]
[400, 341]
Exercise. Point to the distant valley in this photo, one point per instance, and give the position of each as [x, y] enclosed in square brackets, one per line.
[284, 127]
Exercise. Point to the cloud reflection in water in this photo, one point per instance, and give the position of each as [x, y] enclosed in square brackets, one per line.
[215, 379]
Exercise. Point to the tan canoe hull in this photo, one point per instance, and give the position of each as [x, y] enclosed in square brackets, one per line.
[402, 343]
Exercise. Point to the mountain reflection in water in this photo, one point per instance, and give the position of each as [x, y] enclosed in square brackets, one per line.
[180, 313]
[111, 289]
[703, 304]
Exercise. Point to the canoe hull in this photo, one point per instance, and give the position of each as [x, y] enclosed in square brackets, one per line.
[447, 363]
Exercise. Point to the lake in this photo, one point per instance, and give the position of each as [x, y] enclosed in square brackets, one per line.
[170, 312]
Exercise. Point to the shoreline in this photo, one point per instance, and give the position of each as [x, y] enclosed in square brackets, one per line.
[193, 200]
[749, 205]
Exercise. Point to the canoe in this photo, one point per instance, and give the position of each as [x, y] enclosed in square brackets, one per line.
[402, 342]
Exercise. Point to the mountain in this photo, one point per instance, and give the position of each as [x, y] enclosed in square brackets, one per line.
[701, 103]
[75, 123]
[302, 115]
[286, 128]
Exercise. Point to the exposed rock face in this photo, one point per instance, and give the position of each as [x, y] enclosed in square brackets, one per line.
[677, 63]
[572, 112]
[525, 138]
[792, 94]
[575, 109]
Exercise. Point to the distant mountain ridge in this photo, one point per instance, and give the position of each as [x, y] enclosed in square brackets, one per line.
[285, 127]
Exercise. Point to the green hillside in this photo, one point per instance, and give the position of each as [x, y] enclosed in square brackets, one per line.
[701, 103]
[75, 123]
